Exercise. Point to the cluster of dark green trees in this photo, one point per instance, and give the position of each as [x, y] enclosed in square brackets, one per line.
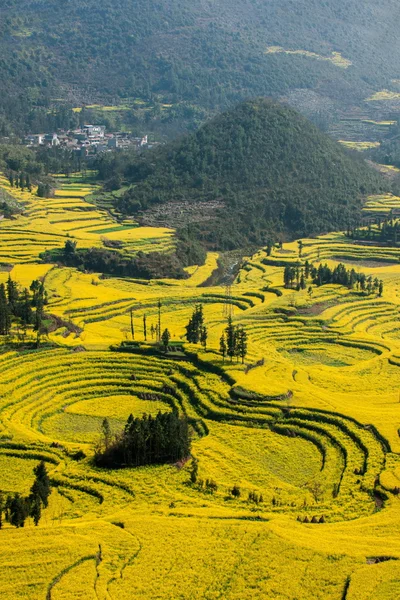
[347, 277]
[196, 331]
[233, 342]
[145, 441]
[386, 232]
[16, 509]
[298, 278]
[20, 180]
[153, 265]
[25, 307]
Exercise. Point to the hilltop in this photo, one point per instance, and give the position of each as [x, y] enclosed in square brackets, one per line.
[205, 56]
[258, 172]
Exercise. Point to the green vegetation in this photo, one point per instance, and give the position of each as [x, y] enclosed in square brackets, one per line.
[129, 62]
[271, 172]
[145, 441]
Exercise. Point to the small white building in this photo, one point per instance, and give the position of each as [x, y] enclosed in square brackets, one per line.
[94, 131]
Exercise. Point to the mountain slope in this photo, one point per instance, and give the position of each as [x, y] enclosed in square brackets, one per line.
[213, 54]
[258, 171]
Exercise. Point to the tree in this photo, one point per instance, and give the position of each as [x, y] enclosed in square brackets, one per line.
[41, 486]
[203, 337]
[300, 245]
[35, 508]
[194, 471]
[144, 328]
[159, 321]
[44, 190]
[166, 336]
[242, 343]
[5, 317]
[132, 325]
[106, 430]
[17, 511]
[12, 295]
[69, 248]
[2, 507]
[380, 288]
[25, 309]
[194, 329]
[39, 302]
[230, 339]
[222, 346]
[235, 491]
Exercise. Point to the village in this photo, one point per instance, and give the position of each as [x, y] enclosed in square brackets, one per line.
[89, 140]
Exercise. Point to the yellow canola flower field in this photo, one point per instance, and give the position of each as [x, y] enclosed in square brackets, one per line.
[310, 421]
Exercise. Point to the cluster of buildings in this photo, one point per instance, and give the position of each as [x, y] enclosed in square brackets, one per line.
[90, 139]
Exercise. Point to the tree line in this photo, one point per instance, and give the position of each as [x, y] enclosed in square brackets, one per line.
[145, 441]
[15, 509]
[297, 277]
[386, 231]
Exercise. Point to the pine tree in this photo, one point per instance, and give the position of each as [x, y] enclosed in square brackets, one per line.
[203, 337]
[106, 429]
[194, 471]
[25, 309]
[194, 329]
[222, 346]
[166, 336]
[159, 322]
[242, 344]
[35, 508]
[230, 339]
[17, 511]
[5, 317]
[144, 328]
[132, 325]
[12, 295]
[41, 486]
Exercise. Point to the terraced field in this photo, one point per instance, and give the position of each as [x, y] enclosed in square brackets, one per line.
[47, 222]
[310, 422]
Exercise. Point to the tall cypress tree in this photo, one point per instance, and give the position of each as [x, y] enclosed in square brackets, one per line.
[5, 317]
[230, 339]
[12, 295]
[41, 486]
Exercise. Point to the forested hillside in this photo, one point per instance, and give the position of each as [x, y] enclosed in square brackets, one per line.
[208, 55]
[258, 172]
